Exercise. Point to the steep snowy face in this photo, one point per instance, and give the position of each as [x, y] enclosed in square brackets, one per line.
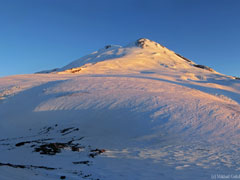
[139, 56]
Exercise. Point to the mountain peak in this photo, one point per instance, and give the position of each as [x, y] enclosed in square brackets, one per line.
[138, 56]
[145, 43]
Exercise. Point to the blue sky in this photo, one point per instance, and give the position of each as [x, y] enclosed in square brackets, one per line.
[44, 34]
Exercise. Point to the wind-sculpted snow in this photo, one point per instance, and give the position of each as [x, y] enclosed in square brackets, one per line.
[168, 128]
[151, 117]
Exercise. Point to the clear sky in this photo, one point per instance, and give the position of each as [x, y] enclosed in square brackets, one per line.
[43, 34]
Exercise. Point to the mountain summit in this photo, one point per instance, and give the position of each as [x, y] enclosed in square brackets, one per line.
[141, 55]
[146, 43]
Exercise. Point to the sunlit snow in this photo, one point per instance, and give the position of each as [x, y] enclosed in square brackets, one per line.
[139, 111]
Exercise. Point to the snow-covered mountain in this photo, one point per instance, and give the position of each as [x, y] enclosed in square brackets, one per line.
[139, 111]
[138, 56]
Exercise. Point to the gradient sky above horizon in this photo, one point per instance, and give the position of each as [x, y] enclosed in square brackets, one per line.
[37, 35]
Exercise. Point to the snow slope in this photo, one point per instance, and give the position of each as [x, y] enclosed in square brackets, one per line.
[135, 112]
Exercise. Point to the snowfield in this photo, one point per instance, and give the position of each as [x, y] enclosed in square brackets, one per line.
[135, 112]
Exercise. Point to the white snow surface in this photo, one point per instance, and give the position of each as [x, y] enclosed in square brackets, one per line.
[155, 115]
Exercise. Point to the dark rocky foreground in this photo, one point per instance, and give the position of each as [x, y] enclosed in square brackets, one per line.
[49, 142]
